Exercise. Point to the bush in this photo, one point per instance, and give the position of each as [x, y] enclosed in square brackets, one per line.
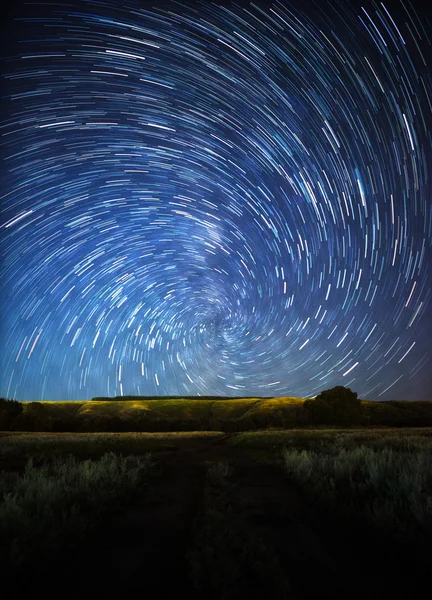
[338, 405]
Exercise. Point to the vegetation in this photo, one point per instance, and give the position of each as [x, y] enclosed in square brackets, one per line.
[157, 415]
[47, 504]
[338, 406]
[387, 480]
[17, 448]
[220, 515]
[9, 411]
[147, 398]
[321, 440]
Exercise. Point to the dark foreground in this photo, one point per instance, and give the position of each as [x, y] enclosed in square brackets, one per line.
[221, 524]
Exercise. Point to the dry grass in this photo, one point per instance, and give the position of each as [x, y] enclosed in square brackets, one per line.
[47, 504]
[17, 447]
[232, 409]
[169, 409]
[386, 478]
[325, 438]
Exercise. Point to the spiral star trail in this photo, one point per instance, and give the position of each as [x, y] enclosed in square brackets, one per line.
[216, 199]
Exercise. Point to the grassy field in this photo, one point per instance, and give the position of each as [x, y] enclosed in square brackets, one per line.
[177, 408]
[16, 448]
[391, 487]
[276, 513]
[67, 495]
[325, 439]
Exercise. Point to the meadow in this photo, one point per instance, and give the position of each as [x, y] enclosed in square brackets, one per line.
[294, 513]
[170, 414]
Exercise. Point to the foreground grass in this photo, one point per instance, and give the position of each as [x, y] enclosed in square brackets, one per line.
[382, 474]
[325, 439]
[46, 505]
[16, 448]
[387, 480]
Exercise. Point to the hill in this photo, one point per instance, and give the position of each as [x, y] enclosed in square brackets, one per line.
[201, 414]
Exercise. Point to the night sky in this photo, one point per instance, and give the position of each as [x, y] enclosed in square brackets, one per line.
[216, 198]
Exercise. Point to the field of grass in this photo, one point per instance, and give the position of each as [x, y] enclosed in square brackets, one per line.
[169, 408]
[68, 497]
[387, 480]
[16, 448]
[228, 516]
[326, 439]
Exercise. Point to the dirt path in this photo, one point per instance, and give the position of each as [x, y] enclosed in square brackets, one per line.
[151, 537]
[316, 552]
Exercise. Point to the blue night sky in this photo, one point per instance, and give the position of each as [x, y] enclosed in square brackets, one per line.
[216, 198]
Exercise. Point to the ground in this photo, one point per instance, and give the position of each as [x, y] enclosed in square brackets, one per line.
[145, 547]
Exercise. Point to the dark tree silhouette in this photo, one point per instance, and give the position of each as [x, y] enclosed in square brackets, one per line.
[9, 411]
[337, 405]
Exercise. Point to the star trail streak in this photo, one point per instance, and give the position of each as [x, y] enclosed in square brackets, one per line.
[212, 198]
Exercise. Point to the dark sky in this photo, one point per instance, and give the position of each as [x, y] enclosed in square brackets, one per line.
[216, 198]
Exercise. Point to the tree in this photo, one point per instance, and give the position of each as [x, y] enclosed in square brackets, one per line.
[9, 411]
[337, 405]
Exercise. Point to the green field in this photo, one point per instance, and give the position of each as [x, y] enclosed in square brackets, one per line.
[179, 408]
